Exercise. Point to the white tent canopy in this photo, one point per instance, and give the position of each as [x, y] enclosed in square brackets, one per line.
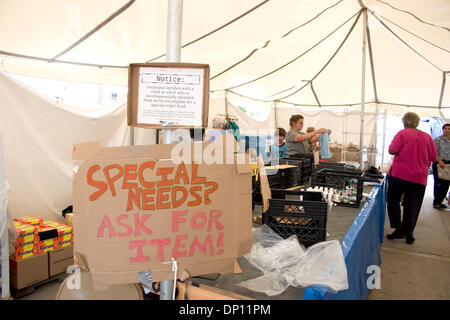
[304, 52]
[278, 57]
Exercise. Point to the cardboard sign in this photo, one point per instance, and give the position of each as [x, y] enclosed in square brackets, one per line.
[168, 95]
[137, 207]
[264, 184]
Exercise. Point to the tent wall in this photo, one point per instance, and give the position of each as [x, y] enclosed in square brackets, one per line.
[38, 135]
[342, 123]
[340, 120]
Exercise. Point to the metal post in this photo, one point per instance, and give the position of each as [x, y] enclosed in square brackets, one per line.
[173, 43]
[384, 137]
[363, 87]
[173, 54]
[174, 26]
[226, 102]
[131, 136]
[4, 244]
[276, 114]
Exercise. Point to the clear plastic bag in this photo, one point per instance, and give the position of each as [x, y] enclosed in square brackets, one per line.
[322, 264]
[270, 252]
[285, 262]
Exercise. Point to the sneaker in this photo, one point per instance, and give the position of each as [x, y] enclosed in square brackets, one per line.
[440, 206]
[397, 234]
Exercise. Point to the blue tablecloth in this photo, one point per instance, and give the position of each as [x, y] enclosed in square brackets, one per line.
[361, 249]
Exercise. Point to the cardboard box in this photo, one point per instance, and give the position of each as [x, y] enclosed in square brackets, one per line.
[26, 272]
[352, 147]
[26, 241]
[136, 207]
[46, 245]
[24, 250]
[35, 221]
[22, 254]
[59, 260]
[65, 233]
[337, 157]
[351, 156]
[48, 239]
[336, 152]
[25, 232]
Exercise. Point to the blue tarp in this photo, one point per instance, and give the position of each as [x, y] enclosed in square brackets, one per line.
[361, 249]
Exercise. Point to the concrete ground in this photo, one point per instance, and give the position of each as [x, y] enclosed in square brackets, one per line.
[420, 270]
[408, 272]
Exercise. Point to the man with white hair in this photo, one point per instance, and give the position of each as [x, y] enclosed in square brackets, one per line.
[217, 129]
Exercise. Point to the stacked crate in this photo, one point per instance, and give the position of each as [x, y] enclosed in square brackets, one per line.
[300, 213]
[323, 165]
[307, 160]
[340, 179]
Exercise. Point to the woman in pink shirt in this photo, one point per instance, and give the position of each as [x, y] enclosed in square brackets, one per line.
[414, 152]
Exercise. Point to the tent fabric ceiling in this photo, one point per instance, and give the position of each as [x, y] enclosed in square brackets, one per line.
[302, 52]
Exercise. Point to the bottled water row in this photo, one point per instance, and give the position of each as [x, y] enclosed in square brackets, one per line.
[344, 195]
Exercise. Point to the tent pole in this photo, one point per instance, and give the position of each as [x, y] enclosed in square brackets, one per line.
[384, 137]
[173, 43]
[173, 54]
[226, 101]
[131, 136]
[276, 114]
[344, 135]
[363, 86]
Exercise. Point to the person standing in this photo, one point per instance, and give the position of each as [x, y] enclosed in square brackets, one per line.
[297, 141]
[413, 152]
[217, 129]
[443, 150]
[312, 146]
[277, 149]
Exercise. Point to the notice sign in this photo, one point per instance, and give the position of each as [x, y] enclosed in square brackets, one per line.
[166, 95]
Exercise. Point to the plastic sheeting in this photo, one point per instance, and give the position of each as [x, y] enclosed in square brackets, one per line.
[361, 248]
[286, 263]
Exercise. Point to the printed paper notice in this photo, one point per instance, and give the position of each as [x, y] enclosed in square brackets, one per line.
[169, 96]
